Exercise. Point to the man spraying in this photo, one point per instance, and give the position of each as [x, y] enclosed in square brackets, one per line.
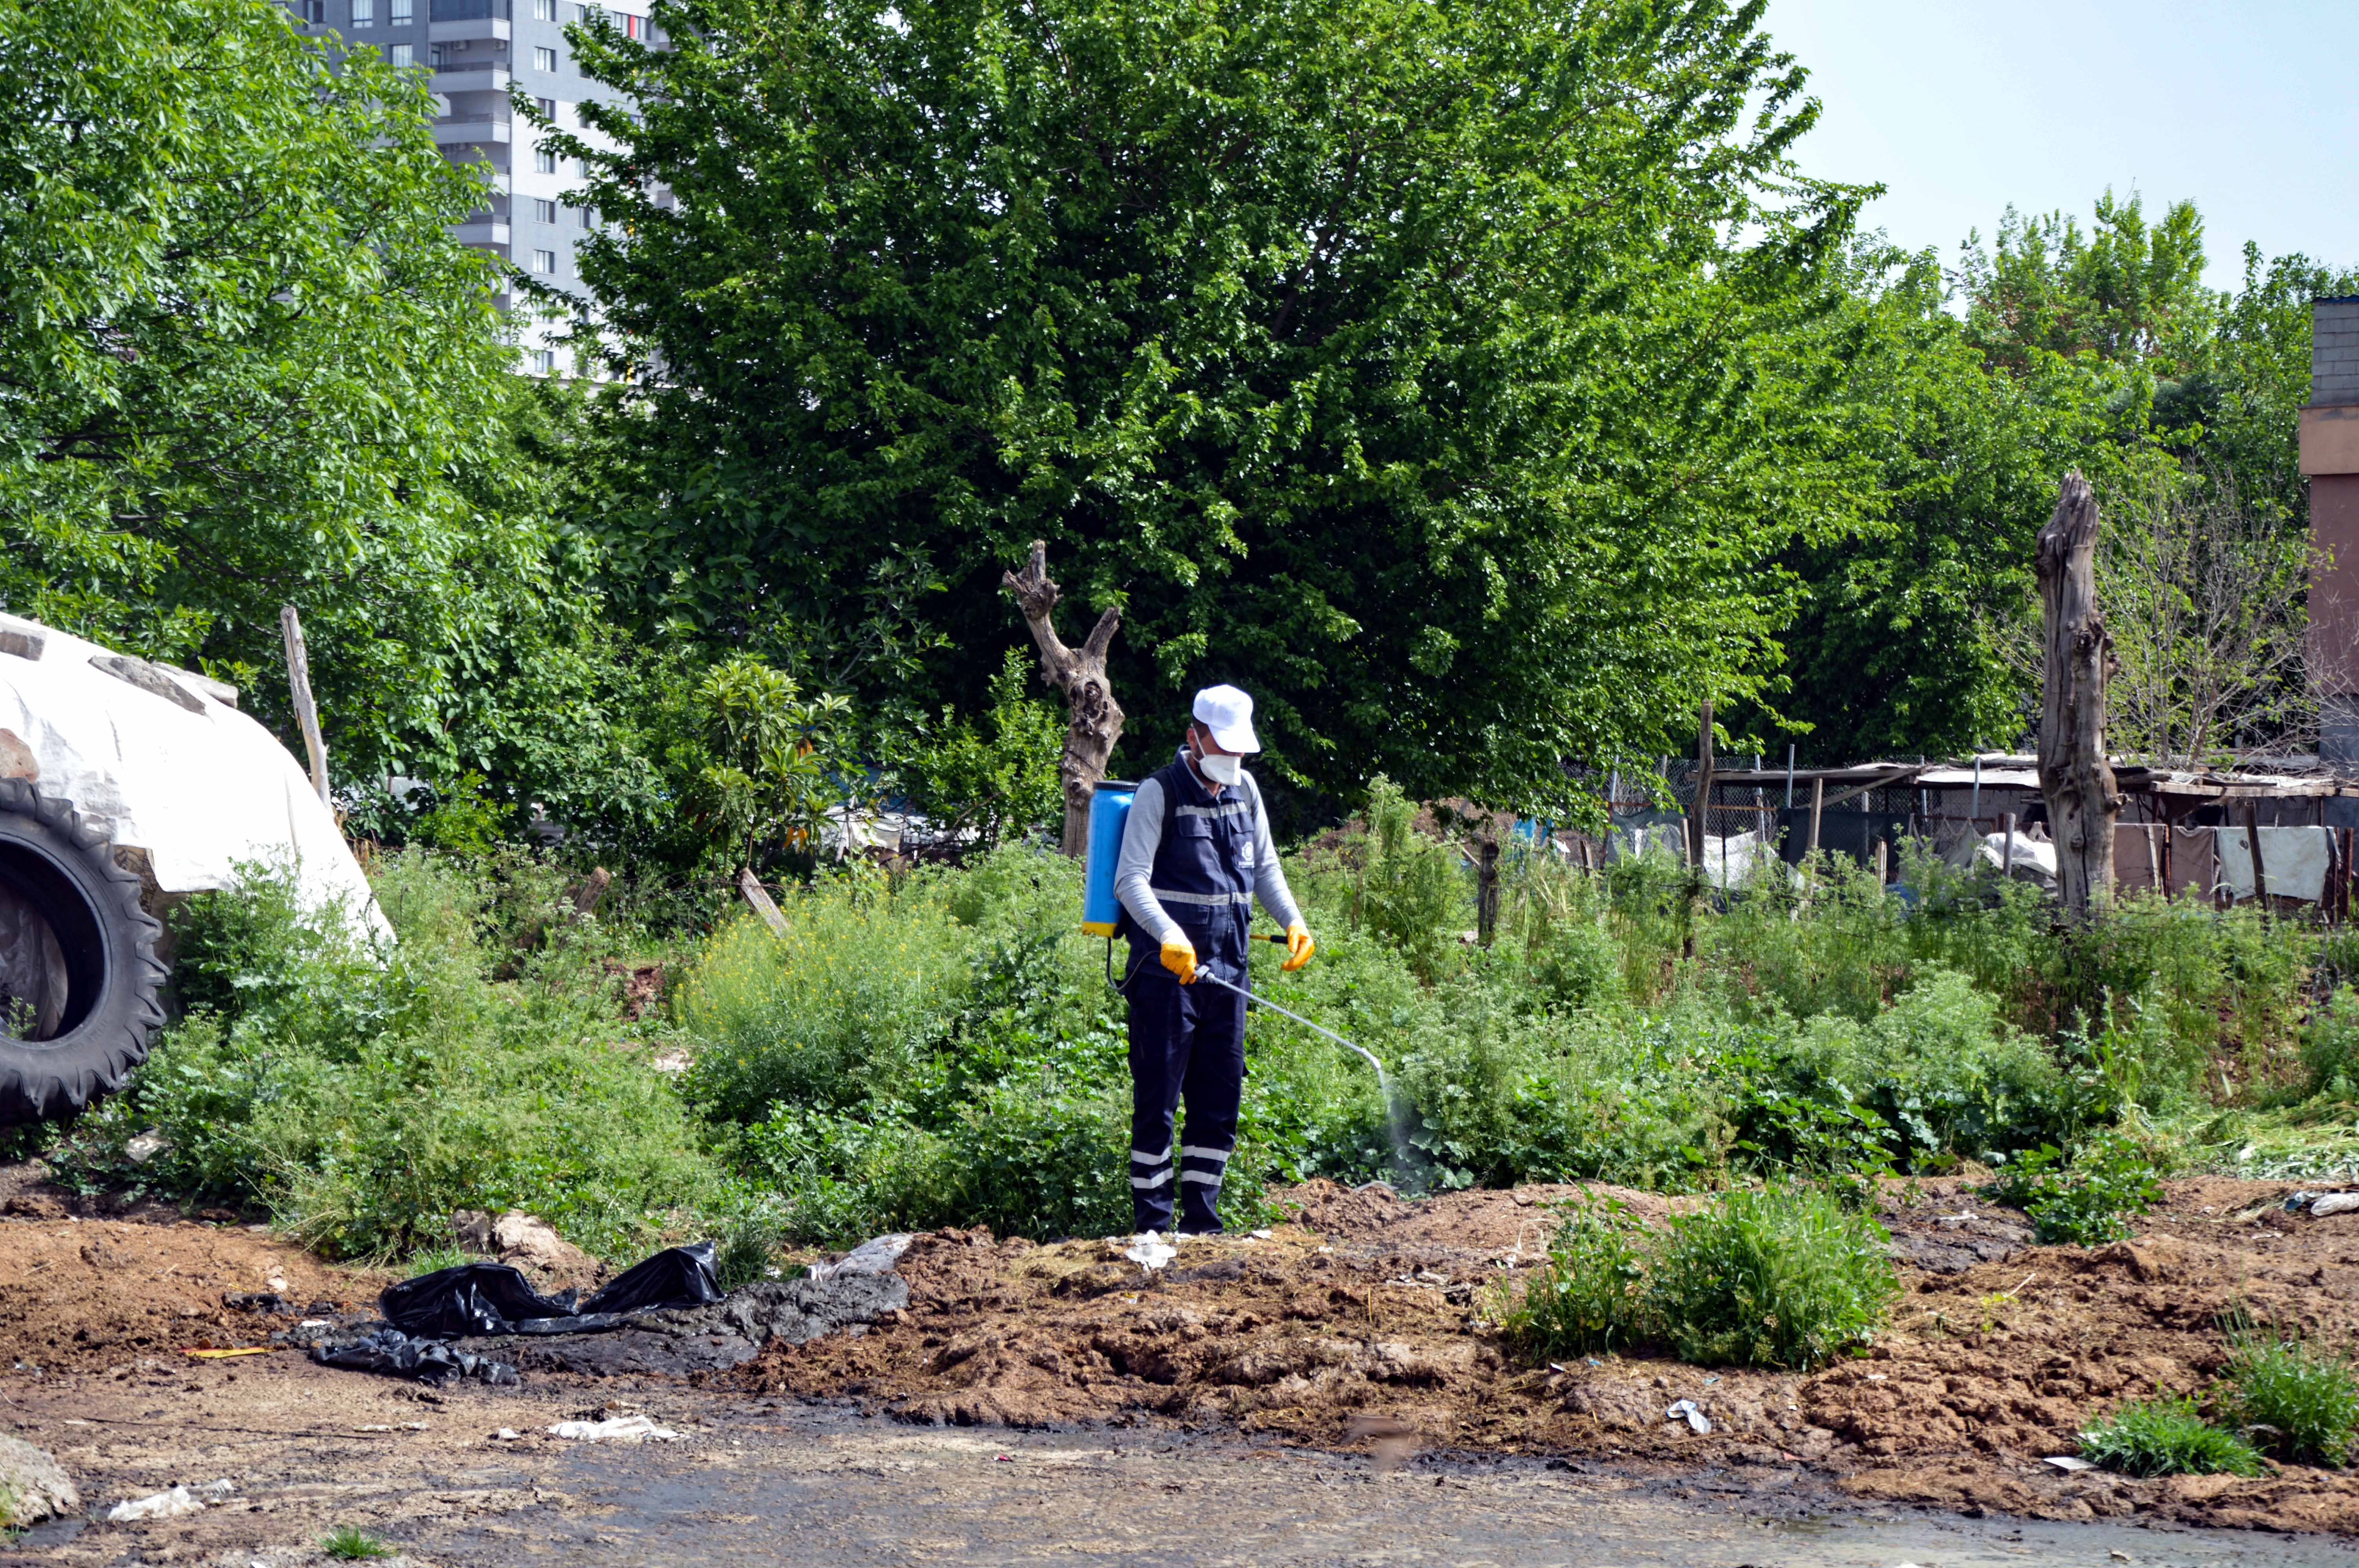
[1196, 852]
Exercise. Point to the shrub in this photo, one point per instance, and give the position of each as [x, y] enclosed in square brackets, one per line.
[1784, 1276]
[2088, 1203]
[1589, 1296]
[2329, 1049]
[361, 1098]
[2167, 1437]
[1410, 891]
[2298, 1403]
[842, 1007]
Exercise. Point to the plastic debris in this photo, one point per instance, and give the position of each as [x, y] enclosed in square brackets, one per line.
[877, 1255]
[175, 1504]
[209, 1355]
[472, 1298]
[1685, 1409]
[1150, 1251]
[675, 1277]
[2067, 1463]
[1259, 1234]
[616, 1429]
[220, 1488]
[2334, 1203]
[506, 1434]
[392, 1353]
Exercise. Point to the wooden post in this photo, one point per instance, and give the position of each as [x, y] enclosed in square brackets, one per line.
[586, 897]
[2343, 880]
[2074, 777]
[307, 713]
[1818, 804]
[1094, 720]
[2007, 860]
[2253, 850]
[1703, 784]
[1487, 888]
[1883, 862]
[759, 898]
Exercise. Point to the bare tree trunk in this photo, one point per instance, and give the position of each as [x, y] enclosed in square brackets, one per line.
[2082, 803]
[1093, 720]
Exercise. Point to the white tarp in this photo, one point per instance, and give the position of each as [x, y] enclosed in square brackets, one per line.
[1729, 862]
[164, 766]
[2034, 858]
[2295, 860]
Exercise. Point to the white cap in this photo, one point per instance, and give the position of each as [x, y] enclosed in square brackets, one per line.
[1228, 714]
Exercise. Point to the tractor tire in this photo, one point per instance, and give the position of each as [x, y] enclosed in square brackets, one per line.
[78, 975]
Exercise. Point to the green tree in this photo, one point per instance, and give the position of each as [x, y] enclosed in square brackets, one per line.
[1392, 359]
[1891, 652]
[766, 763]
[999, 780]
[245, 363]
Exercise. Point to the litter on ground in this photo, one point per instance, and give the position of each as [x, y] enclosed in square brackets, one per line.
[616, 1429]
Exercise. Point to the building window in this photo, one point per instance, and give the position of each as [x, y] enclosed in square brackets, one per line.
[544, 10]
[544, 360]
[544, 210]
[401, 57]
[544, 262]
[398, 13]
[589, 216]
[547, 107]
[544, 160]
[634, 26]
[363, 13]
[544, 59]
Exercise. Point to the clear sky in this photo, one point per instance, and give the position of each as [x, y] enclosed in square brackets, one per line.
[2248, 107]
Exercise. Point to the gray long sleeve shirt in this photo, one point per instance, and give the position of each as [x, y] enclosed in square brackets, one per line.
[1143, 835]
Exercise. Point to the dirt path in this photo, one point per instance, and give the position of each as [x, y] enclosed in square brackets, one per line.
[762, 1483]
[1218, 1413]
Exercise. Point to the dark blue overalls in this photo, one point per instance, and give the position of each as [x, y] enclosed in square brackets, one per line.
[1190, 1040]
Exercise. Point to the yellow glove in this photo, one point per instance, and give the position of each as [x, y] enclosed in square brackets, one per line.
[1299, 946]
[1181, 959]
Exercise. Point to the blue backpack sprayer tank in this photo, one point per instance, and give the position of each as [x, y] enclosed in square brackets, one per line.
[1110, 803]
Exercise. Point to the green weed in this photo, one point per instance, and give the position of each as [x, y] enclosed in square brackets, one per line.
[2294, 1401]
[2167, 1437]
[350, 1543]
[1589, 1296]
[1784, 1276]
[363, 1096]
[2090, 1202]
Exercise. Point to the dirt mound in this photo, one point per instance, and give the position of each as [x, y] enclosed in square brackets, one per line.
[101, 1296]
[1374, 1306]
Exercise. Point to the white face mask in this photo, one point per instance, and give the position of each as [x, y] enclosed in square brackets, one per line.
[1220, 769]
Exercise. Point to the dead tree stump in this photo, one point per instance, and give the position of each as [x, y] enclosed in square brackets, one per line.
[1094, 720]
[2074, 777]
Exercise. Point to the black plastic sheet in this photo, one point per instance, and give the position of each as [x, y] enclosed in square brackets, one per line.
[675, 1277]
[393, 1354]
[472, 1298]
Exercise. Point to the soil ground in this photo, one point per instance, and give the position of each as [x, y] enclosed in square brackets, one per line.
[1347, 1342]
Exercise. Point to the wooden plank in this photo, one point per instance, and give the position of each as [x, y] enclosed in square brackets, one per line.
[307, 713]
[760, 899]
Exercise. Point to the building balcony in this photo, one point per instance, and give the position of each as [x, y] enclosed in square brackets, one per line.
[490, 232]
[453, 130]
[469, 31]
[471, 76]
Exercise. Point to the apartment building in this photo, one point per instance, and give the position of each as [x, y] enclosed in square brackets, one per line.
[476, 49]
